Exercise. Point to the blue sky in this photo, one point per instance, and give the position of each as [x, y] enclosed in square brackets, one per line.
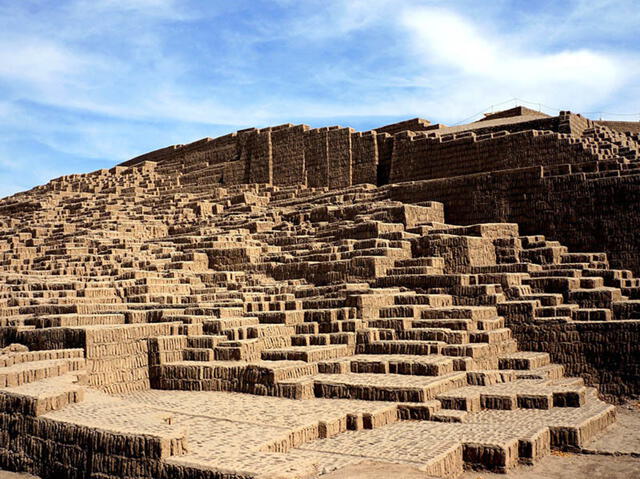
[85, 84]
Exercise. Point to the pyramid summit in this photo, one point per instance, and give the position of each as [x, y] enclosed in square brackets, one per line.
[288, 301]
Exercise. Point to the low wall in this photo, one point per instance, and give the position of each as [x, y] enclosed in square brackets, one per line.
[419, 157]
[117, 357]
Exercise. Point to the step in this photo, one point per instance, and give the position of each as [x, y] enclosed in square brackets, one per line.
[260, 331]
[548, 372]
[584, 258]
[517, 394]
[391, 387]
[324, 339]
[204, 341]
[449, 336]
[216, 326]
[281, 317]
[554, 311]
[421, 348]
[434, 365]
[566, 273]
[435, 300]
[546, 299]
[239, 373]
[434, 261]
[198, 354]
[449, 415]
[423, 411]
[492, 336]
[457, 324]
[29, 372]
[241, 350]
[43, 396]
[554, 284]
[307, 353]
[411, 270]
[524, 360]
[460, 312]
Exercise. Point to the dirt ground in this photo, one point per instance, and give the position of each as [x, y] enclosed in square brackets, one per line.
[615, 455]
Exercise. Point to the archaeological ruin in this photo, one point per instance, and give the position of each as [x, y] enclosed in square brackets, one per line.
[287, 301]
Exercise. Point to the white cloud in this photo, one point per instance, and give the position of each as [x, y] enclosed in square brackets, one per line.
[483, 62]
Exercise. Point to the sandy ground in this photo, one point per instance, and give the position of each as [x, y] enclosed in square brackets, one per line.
[615, 455]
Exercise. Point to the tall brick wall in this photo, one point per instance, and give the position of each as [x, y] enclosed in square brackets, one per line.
[255, 153]
[339, 157]
[419, 157]
[316, 157]
[287, 149]
[364, 158]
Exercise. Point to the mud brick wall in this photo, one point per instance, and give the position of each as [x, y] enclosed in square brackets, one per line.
[234, 172]
[605, 353]
[215, 152]
[287, 149]
[418, 157]
[117, 357]
[202, 162]
[584, 212]
[316, 157]
[622, 126]
[548, 124]
[459, 252]
[571, 123]
[255, 152]
[364, 157]
[339, 157]
[44, 339]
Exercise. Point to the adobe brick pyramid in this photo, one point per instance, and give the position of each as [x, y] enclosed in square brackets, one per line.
[285, 302]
